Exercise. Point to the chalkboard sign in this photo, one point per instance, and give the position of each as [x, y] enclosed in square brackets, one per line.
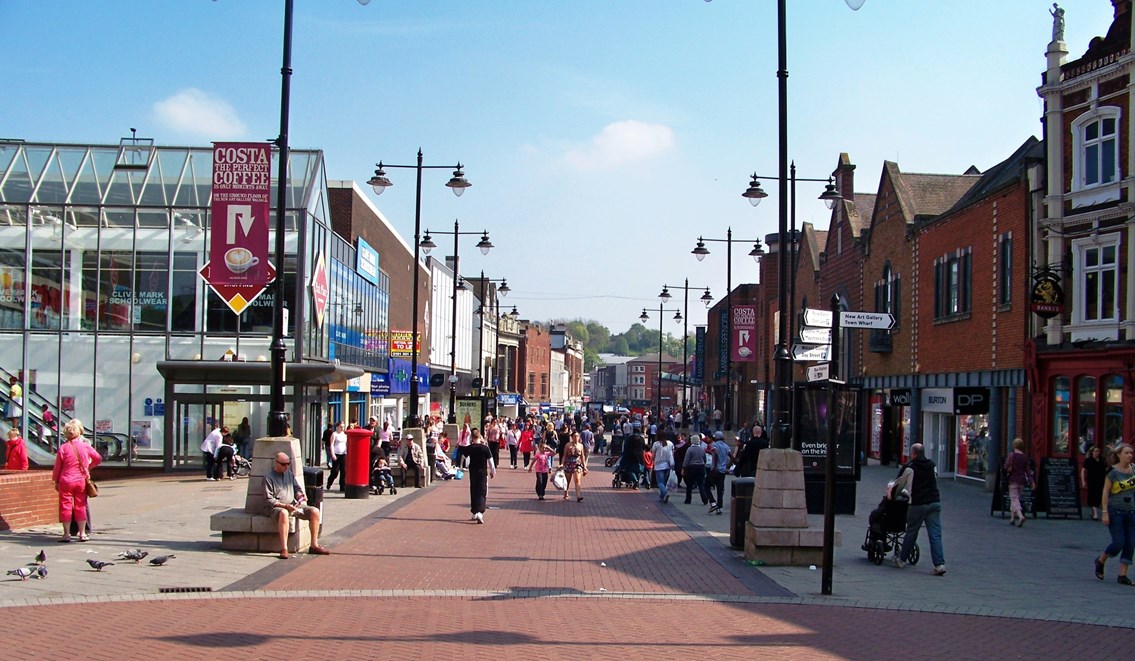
[1001, 502]
[1060, 486]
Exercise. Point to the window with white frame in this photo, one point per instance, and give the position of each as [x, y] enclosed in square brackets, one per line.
[1095, 137]
[1097, 279]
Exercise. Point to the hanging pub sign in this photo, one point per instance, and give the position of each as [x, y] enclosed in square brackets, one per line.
[1047, 295]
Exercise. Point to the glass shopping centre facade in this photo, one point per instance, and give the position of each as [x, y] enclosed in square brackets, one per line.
[105, 318]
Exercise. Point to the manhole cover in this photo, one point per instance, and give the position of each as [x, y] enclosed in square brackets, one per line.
[175, 590]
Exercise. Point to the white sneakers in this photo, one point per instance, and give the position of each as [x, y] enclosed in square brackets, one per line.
[939, 570]
[898, 562]
[479, 517]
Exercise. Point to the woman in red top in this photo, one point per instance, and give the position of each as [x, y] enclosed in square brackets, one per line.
[73, 463]
[17, 452]
[526, 444]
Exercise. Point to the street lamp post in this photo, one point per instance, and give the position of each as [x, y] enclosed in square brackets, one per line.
[457, 183]
[700, 251]
[427, 245]
[706, 298]
[644, 317]
[503, 290]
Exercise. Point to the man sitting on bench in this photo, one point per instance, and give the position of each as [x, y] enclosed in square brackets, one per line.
[286, 499]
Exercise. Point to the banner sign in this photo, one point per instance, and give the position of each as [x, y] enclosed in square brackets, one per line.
[744, 333]
[401, 346]
[699, 354]
[366, 261]
[238, 230]
[722, 344]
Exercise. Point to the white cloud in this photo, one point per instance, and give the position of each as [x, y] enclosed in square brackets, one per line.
[200, 114]
[622, 143]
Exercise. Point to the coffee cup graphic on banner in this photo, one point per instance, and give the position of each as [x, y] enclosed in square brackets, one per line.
[239, 260]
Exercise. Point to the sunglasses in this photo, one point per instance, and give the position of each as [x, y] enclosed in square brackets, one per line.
[283, 463]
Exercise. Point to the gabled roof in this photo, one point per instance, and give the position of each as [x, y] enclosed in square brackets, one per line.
[814, 240]
[1005, 173]
[922, 195]
[858, 212]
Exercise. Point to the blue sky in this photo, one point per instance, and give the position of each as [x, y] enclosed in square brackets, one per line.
[601, 136]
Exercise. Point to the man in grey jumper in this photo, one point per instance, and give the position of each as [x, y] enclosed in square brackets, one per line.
[693, 469]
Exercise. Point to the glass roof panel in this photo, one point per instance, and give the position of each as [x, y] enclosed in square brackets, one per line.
[153, 190]
[17, 181]
[51, 188]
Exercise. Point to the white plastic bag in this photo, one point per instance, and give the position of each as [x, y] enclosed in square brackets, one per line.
[559, 480]
[672, 481]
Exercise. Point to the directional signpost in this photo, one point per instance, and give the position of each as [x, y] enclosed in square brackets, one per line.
[818, 372]
[804, 353]
[816, 335]
[873, 320]
[817, 318]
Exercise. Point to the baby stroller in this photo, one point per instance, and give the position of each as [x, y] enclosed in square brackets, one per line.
[241, 466]
[381, 479]
[886, 529]
[622, 477]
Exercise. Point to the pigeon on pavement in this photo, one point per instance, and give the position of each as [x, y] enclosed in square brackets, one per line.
[22, 572]
[133, 554]
[40, 557]
[41, 572]
[98, 565]
[161, 559]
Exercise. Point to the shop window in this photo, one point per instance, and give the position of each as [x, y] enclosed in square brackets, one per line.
[46, 295]
[1085, 413]
[1061, 400]
[1112, 389]
[1097, 279]
[183, 295]
[12, 262]
[151, 289]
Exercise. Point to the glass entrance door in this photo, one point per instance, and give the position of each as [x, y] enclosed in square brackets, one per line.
[193, 419]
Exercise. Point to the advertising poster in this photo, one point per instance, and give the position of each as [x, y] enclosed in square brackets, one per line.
[744, 332]
[814, 413]
[104, 426]
[140, 432]
[67, 405]
[238, 233]
[469, 411]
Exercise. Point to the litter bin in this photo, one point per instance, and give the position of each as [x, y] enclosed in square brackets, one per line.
[313, 485]
[740, 502]
[358, 463]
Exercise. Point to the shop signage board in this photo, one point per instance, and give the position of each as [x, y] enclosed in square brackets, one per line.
[810, 352]
[239, 297]
[320, 290]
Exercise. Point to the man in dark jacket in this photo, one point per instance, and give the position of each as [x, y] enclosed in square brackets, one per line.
[751, 452]
[481, 469]
[633, 448]
[920, 477]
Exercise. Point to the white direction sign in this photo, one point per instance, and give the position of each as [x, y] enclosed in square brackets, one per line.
[816, 335]
[806, 353]
[817, 318]
[876, 320]
[818, 372]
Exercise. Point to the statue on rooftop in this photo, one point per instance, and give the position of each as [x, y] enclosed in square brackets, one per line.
[1057, 22]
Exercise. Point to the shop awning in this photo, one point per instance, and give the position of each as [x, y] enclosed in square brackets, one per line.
[220, 372]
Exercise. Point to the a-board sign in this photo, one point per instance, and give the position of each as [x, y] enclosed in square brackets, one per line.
[1001, 502]
[1060, 487]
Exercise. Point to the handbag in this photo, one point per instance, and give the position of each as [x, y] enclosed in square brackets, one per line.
[92, 489]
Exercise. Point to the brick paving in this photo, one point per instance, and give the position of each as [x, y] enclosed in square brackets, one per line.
[416, 578]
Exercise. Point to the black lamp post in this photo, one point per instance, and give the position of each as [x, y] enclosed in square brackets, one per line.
[782, 427]
[706, 298]
[457, 183]
[644, 317]
[494, 307]
[485, 246]
[700, 251]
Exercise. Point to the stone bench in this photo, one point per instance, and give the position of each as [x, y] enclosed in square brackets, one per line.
[247, 529]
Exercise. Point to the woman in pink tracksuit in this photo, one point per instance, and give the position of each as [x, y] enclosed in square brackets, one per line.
[73, 462]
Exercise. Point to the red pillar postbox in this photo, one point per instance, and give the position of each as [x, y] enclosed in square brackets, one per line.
[358, 463]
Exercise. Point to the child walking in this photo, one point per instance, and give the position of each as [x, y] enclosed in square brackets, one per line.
[541, 462]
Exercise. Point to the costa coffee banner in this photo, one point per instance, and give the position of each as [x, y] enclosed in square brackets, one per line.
[238, 234]
[744, 332]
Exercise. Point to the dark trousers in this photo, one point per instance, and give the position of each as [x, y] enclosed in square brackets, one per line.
[209, 461]
[224, 460]
[495, 450]
[695, 478]
[717, 481]
[512, 455]
[541, 484]
[527, 459]
[409, 465]
[478, 491]
[338, 469]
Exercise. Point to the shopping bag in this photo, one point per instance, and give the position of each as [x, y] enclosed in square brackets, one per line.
[459, 475]
[672, 481]
[559, 480]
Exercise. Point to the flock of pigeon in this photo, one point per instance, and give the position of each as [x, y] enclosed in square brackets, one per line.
[38, 569]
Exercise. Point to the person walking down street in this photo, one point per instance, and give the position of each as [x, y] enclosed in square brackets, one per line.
[634, 449]
[721, 454]
[493, 439]
[73, 463]
[1018, 475]
[680, 447]
[242, 437]
[527, 445]
[481, 470]
[919, 477]
[693, 466]
[512, 440]
[1092, 475]
[718, 416]
[326, 442]
[209, 449]
[541, 463]
[17, 452]
[575, 465]
[1118, 501]
[663, 451]
[339, 453]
